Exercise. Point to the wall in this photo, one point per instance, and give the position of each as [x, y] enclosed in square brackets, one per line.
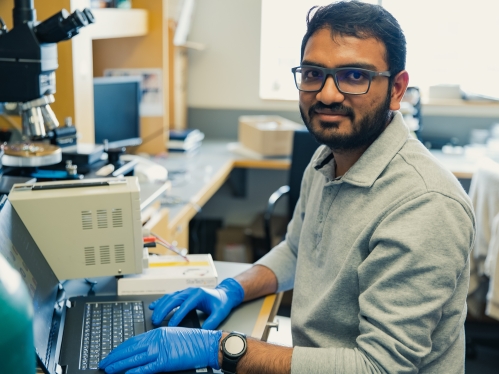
[226, 74]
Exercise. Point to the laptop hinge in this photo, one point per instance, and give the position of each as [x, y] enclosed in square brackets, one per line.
[48, 361]
[61, 313]
[61, 296]
[51, 358]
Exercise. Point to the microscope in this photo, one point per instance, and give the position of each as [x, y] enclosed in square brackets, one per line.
[28, 60]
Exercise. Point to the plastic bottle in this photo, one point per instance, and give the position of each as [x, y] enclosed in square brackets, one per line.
[17, 352]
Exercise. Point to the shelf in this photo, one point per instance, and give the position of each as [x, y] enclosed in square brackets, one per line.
[118, 23]
[460, 108]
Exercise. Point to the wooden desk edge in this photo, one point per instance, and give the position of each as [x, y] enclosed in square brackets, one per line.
[267, 313]
[463, 174]
[262, 164]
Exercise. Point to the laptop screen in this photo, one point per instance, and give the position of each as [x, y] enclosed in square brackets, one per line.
[21, 251]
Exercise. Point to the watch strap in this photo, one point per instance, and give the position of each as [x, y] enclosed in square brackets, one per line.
[229, 365]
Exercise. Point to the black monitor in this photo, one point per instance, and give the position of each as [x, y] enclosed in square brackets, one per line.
[116, 111]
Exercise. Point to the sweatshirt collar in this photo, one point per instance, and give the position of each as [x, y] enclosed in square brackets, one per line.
[373, 161]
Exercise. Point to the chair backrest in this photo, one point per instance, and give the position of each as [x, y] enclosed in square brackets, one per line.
[304, 146]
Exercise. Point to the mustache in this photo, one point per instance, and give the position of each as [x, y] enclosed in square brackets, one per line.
[336, 107]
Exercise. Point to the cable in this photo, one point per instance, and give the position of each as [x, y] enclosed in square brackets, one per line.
[152, 136]
[170, 246]
[152, 241]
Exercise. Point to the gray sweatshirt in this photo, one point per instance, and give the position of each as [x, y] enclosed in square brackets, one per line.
[378, 260]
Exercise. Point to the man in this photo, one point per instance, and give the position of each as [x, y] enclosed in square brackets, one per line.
[377, 250]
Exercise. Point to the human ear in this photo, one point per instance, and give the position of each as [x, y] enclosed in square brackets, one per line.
[399, 86]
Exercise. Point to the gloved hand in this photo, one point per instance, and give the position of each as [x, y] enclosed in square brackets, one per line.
[165, 349]
[217, 302]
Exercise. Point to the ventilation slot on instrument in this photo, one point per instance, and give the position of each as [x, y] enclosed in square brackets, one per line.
[117, 218]
[102, 219]
[119, 253]
[105, 254]
[89, 256]
[86, 220]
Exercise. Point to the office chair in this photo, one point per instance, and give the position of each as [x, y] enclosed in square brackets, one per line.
[304, 146]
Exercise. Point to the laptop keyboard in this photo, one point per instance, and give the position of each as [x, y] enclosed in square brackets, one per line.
[107, 325]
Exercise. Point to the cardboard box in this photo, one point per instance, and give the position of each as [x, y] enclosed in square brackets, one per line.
[267, 135]
[167, 274]
[233, 245]
[256, 232]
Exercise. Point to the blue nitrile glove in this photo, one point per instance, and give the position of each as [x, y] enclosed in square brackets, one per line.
[165, 349]
[217, 302]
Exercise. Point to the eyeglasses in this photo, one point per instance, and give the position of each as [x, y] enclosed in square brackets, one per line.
[352, 81]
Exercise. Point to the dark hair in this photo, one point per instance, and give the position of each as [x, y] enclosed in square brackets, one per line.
[361, 20]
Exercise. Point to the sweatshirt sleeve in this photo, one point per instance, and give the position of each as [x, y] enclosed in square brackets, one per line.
[418, 261]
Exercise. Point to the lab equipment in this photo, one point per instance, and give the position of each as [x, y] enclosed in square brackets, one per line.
[58, 333]
[28, 60]
[85, 228]
[217, 303]
[117, 106]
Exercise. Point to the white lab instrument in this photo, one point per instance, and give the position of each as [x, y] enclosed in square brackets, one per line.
[85, 228]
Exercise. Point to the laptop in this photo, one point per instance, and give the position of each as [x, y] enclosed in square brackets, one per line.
[71, 335]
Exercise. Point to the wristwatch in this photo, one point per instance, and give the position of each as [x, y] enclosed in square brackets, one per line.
[233, 347]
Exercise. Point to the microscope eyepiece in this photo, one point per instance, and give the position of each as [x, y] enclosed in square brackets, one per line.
[23, 12]
[62, 26]
[28, 55]
[89, 15]
[78, 19]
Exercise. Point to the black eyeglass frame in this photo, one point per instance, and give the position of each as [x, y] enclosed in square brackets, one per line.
[332, 73]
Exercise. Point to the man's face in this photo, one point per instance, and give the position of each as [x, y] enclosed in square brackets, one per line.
[343, 121]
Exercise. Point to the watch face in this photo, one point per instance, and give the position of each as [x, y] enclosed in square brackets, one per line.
[234, 345]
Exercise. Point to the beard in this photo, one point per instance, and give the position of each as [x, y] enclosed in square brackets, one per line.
[364, 131]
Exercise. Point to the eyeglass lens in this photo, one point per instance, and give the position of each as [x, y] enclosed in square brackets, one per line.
[349, 80]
